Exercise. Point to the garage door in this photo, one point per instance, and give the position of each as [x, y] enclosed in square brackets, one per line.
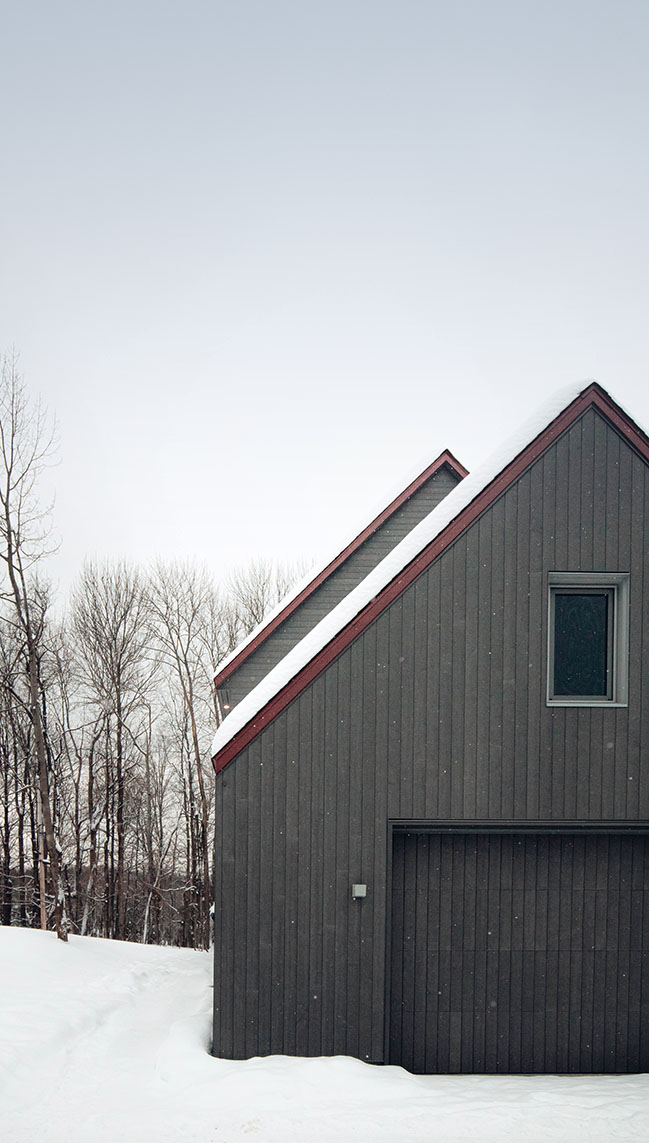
[520, 953]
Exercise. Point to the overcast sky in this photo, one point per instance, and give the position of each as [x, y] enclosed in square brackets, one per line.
[261, 258]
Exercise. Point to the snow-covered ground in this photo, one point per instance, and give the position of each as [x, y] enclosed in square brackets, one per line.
[101, 1040]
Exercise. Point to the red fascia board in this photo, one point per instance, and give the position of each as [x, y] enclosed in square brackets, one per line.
[445, 458]
[594, 395]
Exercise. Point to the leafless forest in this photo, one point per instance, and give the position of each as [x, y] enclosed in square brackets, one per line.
[106, 717]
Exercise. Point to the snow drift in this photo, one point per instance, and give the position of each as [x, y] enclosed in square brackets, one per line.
[103, 1040]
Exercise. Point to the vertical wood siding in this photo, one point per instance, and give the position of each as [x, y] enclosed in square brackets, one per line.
[436, 712]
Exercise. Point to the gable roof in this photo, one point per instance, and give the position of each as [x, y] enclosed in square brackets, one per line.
[312, 580]
[409, 558]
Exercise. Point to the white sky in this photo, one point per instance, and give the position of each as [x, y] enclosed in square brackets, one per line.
[262, 257]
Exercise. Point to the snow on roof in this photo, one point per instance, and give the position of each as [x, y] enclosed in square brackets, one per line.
[317, 569]
[400, 556]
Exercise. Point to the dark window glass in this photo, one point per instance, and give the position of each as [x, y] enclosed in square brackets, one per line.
[581, 643]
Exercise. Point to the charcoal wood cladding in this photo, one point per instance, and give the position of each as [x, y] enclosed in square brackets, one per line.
[437, 712]
[515, 953]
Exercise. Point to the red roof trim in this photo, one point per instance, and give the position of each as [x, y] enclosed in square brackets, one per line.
[593, 395]
[445, 458]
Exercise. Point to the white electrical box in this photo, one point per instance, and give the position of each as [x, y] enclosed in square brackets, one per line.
[359, 891]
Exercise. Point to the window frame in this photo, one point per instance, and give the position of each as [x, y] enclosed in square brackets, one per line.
[616, 586]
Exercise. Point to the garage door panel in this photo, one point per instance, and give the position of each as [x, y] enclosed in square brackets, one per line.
[520, 953]
[589, 919]
[470, 1046]
[639, 870]
[638, 928]
[490, 1037]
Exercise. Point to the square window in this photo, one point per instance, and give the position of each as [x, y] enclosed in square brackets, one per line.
[588, 638]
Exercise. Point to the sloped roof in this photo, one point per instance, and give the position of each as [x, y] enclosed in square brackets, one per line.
[314, 579]
[409, 558]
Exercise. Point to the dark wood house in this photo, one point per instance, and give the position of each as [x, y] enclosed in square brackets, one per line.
[432, 804]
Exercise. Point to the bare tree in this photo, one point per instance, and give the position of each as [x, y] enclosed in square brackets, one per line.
[12, 763]
[158, 825]
[26, 445]
[183, 601]
[19, 819]
[105, 780]
[111, 619]
[256, 589]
